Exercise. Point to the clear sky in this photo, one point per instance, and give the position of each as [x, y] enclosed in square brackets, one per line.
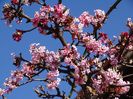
[113, 26]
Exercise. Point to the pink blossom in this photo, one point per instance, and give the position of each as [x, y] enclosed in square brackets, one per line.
[40, 18]
[53, 60]
[98, 18]
[99, 14]
[97, 84]
[53, 74]
[110, 77]
[85, 18]
[37, 52]
[124, 89]
[94, 45]
[113, 60]
[130, 47]
[60, 13]
[13, 81]
[36, 19]
[75, 28]
[28, 70]
[59, 9]
[53, 84]
[46, 9]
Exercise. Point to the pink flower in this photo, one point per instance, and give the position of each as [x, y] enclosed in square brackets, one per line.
[36, 19]
[98, 18]
[93, 45]
[124, 89]
[85, 18]
[53, 84]
[99, 14]
[46, 9]
[13, 81]
[113, 60]
[110, 77]
[37, 52]
[28, 70]
[40, 18]
[60, 13]
[59, 9]
[53, 74]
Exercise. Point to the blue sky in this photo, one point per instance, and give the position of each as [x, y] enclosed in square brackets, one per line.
[115, 24]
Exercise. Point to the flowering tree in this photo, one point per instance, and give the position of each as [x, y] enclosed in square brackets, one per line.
[101, 70]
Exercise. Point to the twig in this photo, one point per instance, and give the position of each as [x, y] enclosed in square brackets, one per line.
[24, 31]
[127, 75]
[62, 39]
[113, 7]
[122, 85]
[26, 17]
[72, 89]
[107, 14]
[59, 1]
[31, 80]
[3, 97]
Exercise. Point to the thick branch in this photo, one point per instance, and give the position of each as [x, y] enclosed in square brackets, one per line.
[61, 39]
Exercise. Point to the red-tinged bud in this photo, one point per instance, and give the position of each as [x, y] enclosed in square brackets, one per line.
[15, 1]
[125, 34]
[17, 35]
[103, 35]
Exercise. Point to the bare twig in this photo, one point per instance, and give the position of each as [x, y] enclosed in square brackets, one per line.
[95, 28]
[127, 75]
[31, 80]
[24, 31]
[59, 1]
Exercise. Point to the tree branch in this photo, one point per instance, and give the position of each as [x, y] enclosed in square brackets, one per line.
[59, 1]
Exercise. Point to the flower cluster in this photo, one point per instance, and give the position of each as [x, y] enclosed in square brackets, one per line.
[69, 54]
[51, 59]
[23, 1]
[58, 14]
[86, 19]
[16, 77]
[93, 45]
[71, 57]
[28, 70]
[9, 13]
[102, 83]
[12, 82]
